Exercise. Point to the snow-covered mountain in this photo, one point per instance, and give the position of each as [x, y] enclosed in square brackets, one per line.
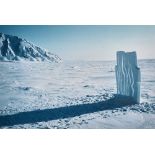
[13, 48]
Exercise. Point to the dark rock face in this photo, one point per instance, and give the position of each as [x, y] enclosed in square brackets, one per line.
[13, 48]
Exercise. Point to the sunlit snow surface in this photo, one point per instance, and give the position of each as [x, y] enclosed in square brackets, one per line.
[39, 86]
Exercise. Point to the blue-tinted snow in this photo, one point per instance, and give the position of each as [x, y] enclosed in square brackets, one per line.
[36, 88]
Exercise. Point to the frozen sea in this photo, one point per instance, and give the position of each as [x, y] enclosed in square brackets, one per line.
[71, 95]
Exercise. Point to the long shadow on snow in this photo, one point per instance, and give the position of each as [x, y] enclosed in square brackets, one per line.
[64, 112]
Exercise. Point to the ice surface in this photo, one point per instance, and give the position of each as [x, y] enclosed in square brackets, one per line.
[13, 48]
[38, 88]
[128, 75]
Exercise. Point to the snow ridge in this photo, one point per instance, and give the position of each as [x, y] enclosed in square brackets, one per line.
[13, 48]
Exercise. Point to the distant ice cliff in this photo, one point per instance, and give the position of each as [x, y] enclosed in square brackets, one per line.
[13, 48]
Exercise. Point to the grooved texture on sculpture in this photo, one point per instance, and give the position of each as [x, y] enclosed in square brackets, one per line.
[128, 75]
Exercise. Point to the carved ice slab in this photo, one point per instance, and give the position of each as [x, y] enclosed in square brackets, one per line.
[128, 75]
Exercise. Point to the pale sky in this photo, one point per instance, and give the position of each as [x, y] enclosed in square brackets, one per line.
[89, 42]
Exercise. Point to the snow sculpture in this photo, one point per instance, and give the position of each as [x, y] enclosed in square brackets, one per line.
[128, 75]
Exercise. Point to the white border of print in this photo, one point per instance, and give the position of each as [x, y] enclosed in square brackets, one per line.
[77, 12]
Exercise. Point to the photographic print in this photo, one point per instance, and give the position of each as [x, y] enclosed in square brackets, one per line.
[77, 76]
